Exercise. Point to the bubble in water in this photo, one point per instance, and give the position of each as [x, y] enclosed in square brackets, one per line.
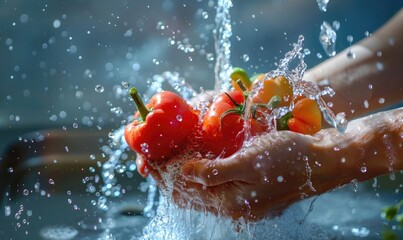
[25, 192]
[99, 88]
[51, 181]
[280, 179]
[363, 169]
[245, 57]
[322, 4]
[10, 170]
[327, 38]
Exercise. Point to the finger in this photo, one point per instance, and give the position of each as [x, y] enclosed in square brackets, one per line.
[214, 172]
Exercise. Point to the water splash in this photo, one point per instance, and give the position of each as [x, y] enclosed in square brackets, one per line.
[178, 83]
[300, 87]
[327, 38]
[322, 4]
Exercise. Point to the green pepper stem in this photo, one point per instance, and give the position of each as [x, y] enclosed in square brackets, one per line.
[143, 110]
[241, 86]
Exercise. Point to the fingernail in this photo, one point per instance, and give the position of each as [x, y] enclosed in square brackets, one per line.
[187, 169]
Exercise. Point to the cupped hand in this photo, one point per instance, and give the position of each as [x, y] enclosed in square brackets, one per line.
[264, 177]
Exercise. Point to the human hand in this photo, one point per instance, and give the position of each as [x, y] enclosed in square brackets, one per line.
[280, 168]
[264, 177]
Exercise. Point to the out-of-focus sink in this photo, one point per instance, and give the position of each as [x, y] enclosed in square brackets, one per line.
[45, 193]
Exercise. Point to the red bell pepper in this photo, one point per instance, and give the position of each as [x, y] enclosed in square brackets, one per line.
[223, 125]
[161, 128]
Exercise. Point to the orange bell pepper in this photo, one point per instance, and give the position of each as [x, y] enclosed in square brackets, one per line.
[305, 117]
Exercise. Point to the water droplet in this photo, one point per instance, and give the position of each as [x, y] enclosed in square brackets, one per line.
[210, 57]
[322, 4]
[125, 84]
[379, 66]
[25, 192]
[360, 232]
[253, 194]
[327, 38]
[7, 211]
[355, 184]
[99, 88]
[350, 54]
[350, 39]
[336, 25]
[341, 122]
[215, 172]
[144, 147]
[179, 118]
[117, 111]
[24, 18]
[366, 104]
[156, 62]
[363, 169]
[381, 100]
[245, 57]
[280, 179]
[56, 23]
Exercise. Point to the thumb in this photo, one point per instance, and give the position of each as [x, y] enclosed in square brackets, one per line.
[214, 172]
